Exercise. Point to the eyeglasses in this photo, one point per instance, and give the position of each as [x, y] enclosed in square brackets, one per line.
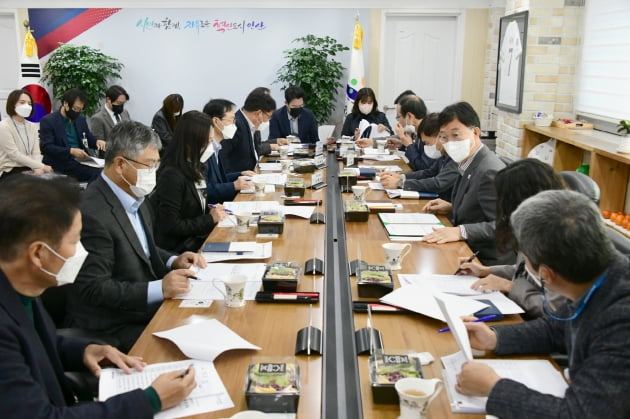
[153, 166]
[230, 121]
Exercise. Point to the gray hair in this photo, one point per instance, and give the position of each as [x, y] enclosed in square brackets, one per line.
[563, 230]
[130, 139]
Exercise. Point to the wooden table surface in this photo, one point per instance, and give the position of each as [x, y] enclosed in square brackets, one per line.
[273, 327]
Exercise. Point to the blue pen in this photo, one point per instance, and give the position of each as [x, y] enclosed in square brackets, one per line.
[224, 209]
[481, 319]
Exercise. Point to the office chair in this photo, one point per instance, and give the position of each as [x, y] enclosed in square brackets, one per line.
[580, 182]
[84, 385]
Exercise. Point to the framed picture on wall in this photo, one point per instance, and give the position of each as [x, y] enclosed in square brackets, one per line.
[511, 62]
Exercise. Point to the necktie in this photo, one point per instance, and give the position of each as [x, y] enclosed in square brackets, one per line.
[257, 141]
[117, 117]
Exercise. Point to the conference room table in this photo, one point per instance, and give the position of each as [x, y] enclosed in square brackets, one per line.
[273, 326]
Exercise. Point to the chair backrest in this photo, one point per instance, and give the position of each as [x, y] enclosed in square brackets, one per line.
[505, 159]
[621, 242]
[580, 182]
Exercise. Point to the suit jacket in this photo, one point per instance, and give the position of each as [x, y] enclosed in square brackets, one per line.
[32, 364]
[418, 160]
[101, 123]
[182, 223]
[599, 356]
[54, 144]
[239, 152]
[439, 178]
[162, 129]
[280, 126]
[474, 206]
[111, 288]
[352, 122]
[219, 184]
[13, 152]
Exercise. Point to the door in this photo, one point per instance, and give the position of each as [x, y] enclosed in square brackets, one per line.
[9, 53]
[419, 53]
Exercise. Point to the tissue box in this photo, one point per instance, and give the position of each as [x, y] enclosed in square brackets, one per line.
[374, 281]
[355, 211]
[282, 277]
[294, 187]
[271, 222]
[272, 385]
[386, 369]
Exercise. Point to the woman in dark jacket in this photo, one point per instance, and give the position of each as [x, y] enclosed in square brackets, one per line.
[165, 120]
[365, 107]
[183, 221]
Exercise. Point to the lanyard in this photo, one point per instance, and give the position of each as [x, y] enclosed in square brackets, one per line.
[580, 309]
[27, 144]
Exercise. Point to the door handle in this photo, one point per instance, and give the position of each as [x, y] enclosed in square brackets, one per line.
[388, 108]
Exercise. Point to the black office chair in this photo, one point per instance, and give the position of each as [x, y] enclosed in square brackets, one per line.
[505, 159]
[580, 182]
[84, 385]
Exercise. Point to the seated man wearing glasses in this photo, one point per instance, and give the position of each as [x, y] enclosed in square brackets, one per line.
[294, 119]
[125, 276]
[473, 207]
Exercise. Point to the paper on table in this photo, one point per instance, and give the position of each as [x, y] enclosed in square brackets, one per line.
[418, 230]
[262, 252]
[205, 340]
[376, 186]
[271, 178]
[387, 168]
[409, 218]
[381, 157]
[501, 302]
[93, 162]
[251, 206]
[271, 167]
[204, 289]
[374, 152]
[420, 299]
[449, 284]
[303, 211]
[209, 395]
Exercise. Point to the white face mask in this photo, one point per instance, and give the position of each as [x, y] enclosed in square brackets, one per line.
[534, 277]
[145, 181]
[458, 150]
[207, 153]
[71, 266]
[24, 110]
[432, 152]
[263, 126]
[228, 131]
[365, 108]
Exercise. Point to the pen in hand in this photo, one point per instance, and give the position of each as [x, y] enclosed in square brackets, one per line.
[185, 373]
[227, 211]
[470, 259]
[480, 319]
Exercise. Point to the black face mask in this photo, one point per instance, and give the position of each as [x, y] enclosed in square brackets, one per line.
[295, 112]
[72, 114]
[118, 109]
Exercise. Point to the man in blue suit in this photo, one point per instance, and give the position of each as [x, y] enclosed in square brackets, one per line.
[39, 249]
[294, 119]
[65, 138]
[222, 186]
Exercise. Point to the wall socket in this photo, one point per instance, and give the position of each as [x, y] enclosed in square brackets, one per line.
[549, 40]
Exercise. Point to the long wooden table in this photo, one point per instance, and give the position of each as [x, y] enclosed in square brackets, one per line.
[273, 327]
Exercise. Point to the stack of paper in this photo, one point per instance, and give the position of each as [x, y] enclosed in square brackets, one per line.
[255, 251]
[409, 226]
[539, 375]
[403, 194]
[253, 207]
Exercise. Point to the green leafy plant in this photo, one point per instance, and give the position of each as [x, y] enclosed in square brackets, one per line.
[624, 125]
[313, 67]
[82, 67]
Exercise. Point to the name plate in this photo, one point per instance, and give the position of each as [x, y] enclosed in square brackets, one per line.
[317, 177]
[320, 160]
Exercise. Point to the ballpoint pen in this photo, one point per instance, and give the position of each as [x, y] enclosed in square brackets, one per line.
[481, 319]
[227, 211]
[470, 259]
[185, 373]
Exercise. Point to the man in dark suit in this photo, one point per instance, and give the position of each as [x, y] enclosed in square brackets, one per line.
[473, 207]
[293, 119]
[65, 138]
[39, 249]
[551, 229]
[246, 146]
[126, 276]
[222, 186]
[113, 112]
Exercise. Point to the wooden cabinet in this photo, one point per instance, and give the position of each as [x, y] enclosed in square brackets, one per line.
[607, 167]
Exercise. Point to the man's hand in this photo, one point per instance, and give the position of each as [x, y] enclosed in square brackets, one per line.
[172, 388]
[364, 142]
[78, 153]
[188, 259]
[248, 173]
[443, 235]
[47, 169]
[476, 379]
[94, 355]
[493, 283]
[283, 141]
[390, 180]
[381, 128]
[242, 182]
[176, 282]
[481, 336]
[438, 206]
[330, 140]
[100, 145]
[274, 147]
[472, 268]
[393, 143]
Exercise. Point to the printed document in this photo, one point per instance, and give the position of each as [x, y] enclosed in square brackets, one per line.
[262, 251]
[205, 289]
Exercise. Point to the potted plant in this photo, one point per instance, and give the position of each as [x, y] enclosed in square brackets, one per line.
[624, 129]
[314, 68]
[82, 67]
